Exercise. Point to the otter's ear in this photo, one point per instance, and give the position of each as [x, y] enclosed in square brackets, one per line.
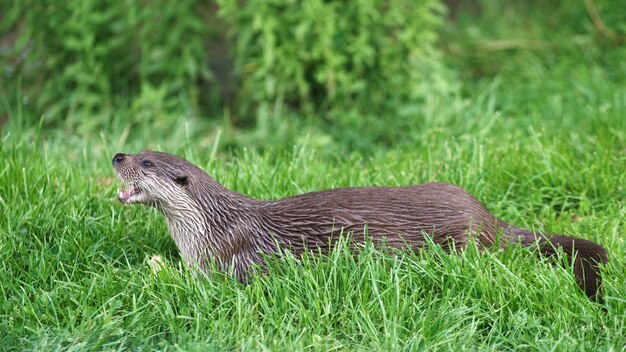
[182, 180]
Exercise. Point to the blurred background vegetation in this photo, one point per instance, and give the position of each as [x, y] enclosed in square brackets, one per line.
[351, 74]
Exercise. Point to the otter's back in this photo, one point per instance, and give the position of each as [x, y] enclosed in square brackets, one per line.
[400, 215]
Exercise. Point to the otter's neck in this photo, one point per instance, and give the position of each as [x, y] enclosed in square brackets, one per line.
[214, 223]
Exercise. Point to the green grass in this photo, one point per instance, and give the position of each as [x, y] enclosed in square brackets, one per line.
[538, 136]
[74, 262]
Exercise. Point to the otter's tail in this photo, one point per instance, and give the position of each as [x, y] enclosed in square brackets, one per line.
[587, 256]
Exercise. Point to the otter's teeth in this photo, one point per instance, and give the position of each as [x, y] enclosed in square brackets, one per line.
[122, 196]
[125, 196]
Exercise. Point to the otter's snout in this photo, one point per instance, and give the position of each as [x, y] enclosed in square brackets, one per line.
[118, 158]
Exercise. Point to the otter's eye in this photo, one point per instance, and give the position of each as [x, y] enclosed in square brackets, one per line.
[147, 163]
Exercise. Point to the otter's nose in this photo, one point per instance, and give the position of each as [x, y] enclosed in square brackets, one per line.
[118, 158]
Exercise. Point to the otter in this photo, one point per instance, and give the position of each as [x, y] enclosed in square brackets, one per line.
[212, 225]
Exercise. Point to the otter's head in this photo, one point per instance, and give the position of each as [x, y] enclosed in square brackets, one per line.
[153, 177]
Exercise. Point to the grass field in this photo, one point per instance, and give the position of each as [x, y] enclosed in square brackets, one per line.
[74, 270]
[541, 141]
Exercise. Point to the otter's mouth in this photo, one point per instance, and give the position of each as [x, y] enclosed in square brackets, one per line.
[132, 194]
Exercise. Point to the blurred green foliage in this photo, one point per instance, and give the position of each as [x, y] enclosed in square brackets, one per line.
[322, 56]
[75, 63]
[356, 73]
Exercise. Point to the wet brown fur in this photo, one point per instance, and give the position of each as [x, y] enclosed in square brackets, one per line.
[210, 222]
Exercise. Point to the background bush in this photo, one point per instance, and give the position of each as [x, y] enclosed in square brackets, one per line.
[77, 62]
[85, 59]
[357, 73]
[334, 56]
